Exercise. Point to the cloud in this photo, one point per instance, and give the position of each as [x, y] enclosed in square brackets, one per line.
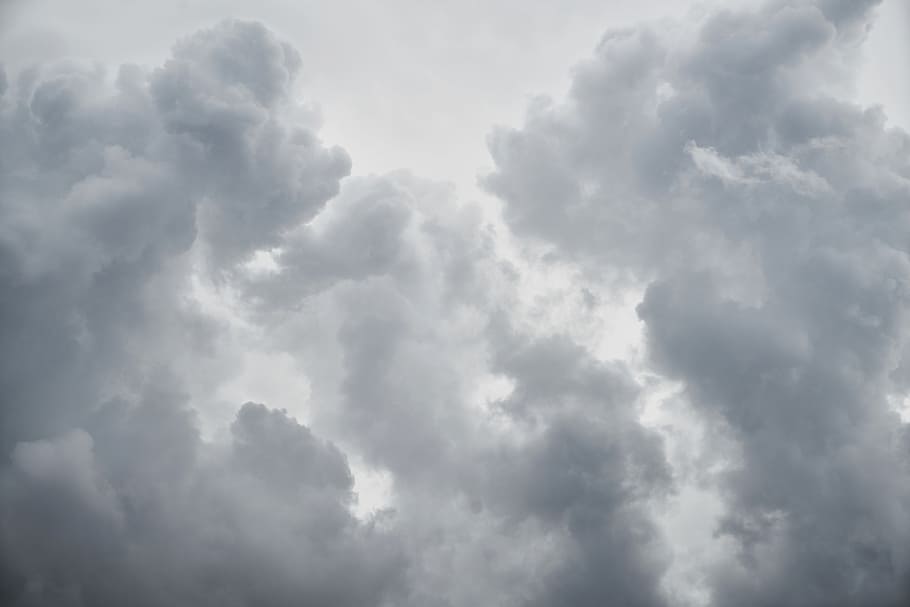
[146, 513]
[227, 97]
[108, 191]
[587, 468]
[120, 200]
[161, 226]
[390, 297]
[111, 193]
[765, 217]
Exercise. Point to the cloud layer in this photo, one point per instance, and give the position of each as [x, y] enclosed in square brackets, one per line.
[767, 220]
[160, 226]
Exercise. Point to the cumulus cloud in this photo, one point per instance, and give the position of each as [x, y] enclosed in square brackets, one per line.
[159, 224]
[144, 513]
[766, 219]
[110, 194]
[400, 329]
[227, 97]
[119, 199]
[107, 188]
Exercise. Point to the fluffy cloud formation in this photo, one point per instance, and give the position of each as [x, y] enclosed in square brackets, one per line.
[766, 218]
[119, 201]
[158, 229]
[111, 196]
[139, 511]
[395, 299]
[105, 191]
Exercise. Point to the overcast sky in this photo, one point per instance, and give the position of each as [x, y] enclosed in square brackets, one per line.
[455, 303]
[458, 67]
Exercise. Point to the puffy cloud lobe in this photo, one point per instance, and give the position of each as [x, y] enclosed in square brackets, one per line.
[104, 193]
[109, 496]
[588, 470]
[360, 234]
[387, 296]
[383, 294]
[767, 219]
[267, 444]
[686, 159]
[87, 521]
[56, 509]
[392, 278]
[226, 95]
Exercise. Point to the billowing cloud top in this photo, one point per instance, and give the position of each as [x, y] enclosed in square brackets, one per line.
[161, 230]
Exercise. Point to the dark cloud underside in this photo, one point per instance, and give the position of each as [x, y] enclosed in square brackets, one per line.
[768, 221]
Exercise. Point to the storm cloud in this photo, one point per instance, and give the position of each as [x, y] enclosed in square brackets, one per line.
[458, 422]
[766, 219]
[110, 496]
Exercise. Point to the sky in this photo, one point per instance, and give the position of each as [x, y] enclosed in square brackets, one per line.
[455, 303]
[458, 67]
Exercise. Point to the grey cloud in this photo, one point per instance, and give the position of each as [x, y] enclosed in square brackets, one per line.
[572, 494]
[112, 194]
[360, 234]
[226, 94]
[57, 509]
[766, 218]
[267, 444]
[846, 14]
[93, 521]
[108, 191]
[390, 291]
[413, 302]
[709, 163]
[103, 196]
[589, 472]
